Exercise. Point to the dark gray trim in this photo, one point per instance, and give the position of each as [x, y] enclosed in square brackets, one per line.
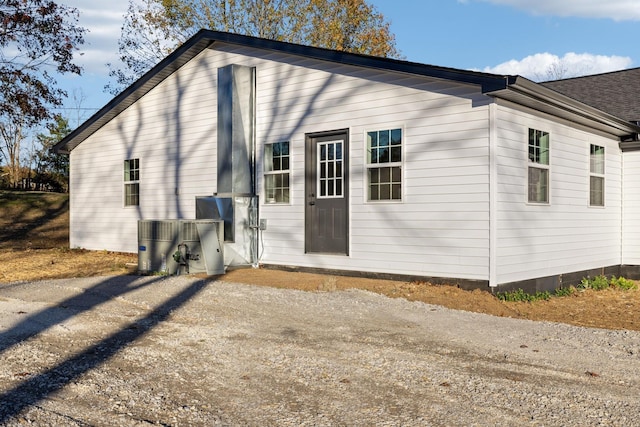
[466, 284]
[540, 284]
[513, 88]
[629, 145]
[551, 283]
[205, 38]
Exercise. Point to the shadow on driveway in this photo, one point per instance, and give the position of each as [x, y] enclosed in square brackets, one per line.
[39, 386]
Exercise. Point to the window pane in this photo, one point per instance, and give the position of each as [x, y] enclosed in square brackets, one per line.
[396, 137]
[396, 174]
[284, 148]
[544, 148]
[385, 174]
[597, 159]
[338, 187]
[270, 192]
[596, 191]
[538, 147]
[276, 164]
[385, 191]
[538, 185]
[373, 176]
[372, 139]
[268, 157]
[383, 138]
[285, 163]
[373, 192]
[383, 155]
[131, 197]
[396, 192]
[396, 154]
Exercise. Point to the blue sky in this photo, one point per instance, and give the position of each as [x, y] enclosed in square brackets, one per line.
[523, 37]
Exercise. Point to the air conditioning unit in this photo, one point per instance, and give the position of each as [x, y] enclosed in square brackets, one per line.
[175, 246]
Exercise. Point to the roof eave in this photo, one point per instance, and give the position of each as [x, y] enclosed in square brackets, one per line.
[552, 102]
[205, 38]
[127, 97]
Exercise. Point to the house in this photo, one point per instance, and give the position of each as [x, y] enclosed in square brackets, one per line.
[330, 161]
[617, 93]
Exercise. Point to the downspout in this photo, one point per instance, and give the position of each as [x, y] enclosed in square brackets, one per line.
[254, 177]
[493, 195]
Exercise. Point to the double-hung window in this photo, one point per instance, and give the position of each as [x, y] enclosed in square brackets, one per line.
[276, 172]
[384, 165]
[538, 180]
[596, 176]
[132, 182]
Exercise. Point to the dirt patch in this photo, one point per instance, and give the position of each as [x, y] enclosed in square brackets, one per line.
[34, 237]
[608, 309]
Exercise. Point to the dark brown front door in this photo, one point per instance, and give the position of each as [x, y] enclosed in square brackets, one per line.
[326, 187]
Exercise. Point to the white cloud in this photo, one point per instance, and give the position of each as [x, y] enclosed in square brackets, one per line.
[618, 10]
[104, 21]
[546, 66]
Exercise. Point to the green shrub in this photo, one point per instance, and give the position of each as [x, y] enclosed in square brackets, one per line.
[597, 283]
[520, 295]
[623, 283]
[601, 282]
[564, 292]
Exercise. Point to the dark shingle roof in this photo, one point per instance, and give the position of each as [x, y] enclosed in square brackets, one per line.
[617, 93]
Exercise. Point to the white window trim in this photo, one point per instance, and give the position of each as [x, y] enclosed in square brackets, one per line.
[598, 175]
[538, 166]
[368, 166]
[125, 183]
[266, 173]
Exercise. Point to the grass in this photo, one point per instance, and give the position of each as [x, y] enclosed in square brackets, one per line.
[597, 283]
[33, 220]
[34, 241]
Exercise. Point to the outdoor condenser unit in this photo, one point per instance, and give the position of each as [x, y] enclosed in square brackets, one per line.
[179, 245]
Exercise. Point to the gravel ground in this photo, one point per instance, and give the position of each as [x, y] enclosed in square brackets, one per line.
[136, 351]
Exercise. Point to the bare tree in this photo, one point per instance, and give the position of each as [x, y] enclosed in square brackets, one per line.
[12, 136]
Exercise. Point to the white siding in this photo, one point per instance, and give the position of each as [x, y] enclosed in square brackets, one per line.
[441, 228]
[567, 234]
[631, 213]
[172, 131]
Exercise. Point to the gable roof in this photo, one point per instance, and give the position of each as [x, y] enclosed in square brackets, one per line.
[617, 93]
[513, 88]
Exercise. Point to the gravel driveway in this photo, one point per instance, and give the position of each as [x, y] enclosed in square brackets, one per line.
[137, 351]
